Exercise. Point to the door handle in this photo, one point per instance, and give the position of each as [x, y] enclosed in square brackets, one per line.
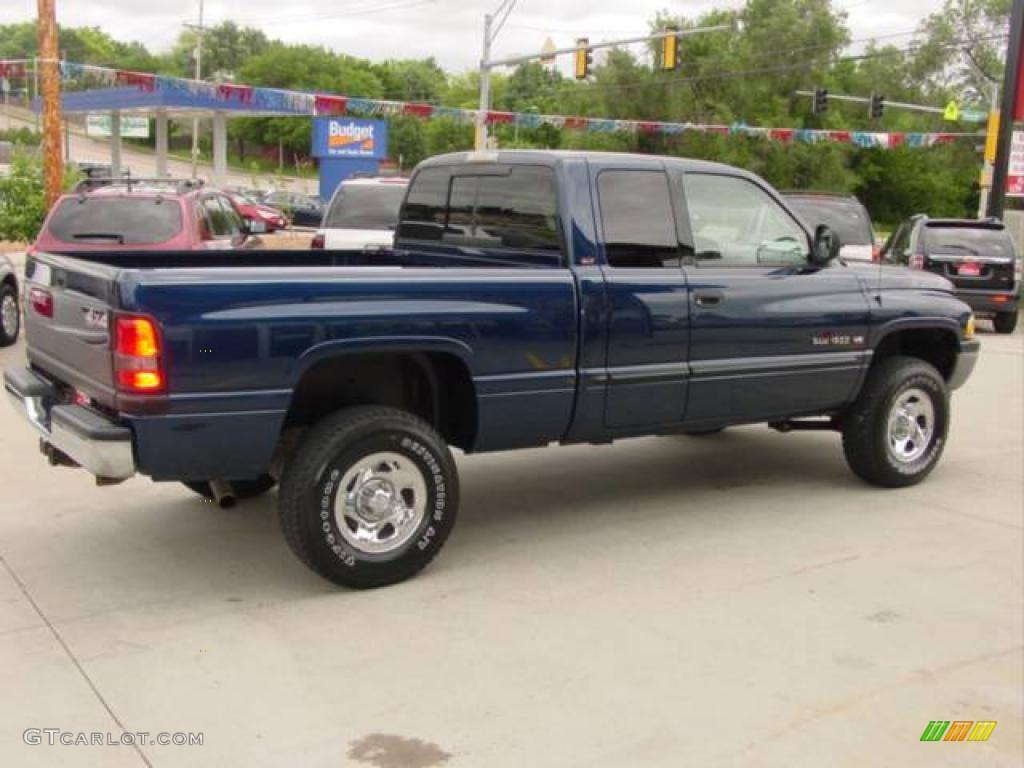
[708, 299]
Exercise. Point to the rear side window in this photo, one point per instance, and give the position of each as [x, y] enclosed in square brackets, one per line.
[844, 216]
[123, 220]
[968, 241]
[495, 209]
[365, 206]
[639, 226]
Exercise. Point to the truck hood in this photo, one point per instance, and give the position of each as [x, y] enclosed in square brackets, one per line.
[892, 277]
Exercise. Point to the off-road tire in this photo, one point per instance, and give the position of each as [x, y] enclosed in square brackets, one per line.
[312, 480]
[865, 425]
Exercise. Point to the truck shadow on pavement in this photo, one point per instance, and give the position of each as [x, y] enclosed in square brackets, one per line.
[239, 555]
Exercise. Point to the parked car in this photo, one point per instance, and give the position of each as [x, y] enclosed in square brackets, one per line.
[145, 215]
[362, 212]
[845, 215]
[978, 256]
[253, 210]
[10, 308]
[541, 297]
[302, 210]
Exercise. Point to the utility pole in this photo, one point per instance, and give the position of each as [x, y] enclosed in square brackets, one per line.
[35, 88]
[1011, 88]
[199, 29]
[53, 161]
[492, 26]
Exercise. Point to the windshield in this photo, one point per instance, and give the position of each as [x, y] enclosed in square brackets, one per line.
[969, 241]
[365, 206]
[123, 220]
[844, 216]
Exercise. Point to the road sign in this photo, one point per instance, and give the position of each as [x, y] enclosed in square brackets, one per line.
[349, 138]
[973, 116]
[952, 112]
[1015, 168]
[548, 48]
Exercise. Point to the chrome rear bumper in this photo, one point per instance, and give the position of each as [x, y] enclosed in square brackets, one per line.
[88, 438]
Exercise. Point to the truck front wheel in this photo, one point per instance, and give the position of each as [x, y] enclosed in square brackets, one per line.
[894, 434]
[369, 497]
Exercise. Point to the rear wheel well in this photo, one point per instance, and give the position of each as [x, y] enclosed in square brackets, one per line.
[11, 281]
[937, 346]
[435, 386]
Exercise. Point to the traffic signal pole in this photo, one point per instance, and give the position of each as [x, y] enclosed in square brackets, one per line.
[486, 64]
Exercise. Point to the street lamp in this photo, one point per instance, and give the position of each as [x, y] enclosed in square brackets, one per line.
[493, 22]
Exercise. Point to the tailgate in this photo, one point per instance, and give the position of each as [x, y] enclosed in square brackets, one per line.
[71, 342]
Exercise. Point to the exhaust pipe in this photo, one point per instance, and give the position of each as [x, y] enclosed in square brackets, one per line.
[223, 495]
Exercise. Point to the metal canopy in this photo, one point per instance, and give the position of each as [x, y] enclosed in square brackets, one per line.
[131, 100]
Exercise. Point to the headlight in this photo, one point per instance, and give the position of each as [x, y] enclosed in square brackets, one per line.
[969, 327]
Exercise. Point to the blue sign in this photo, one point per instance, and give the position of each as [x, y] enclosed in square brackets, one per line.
[344, 137]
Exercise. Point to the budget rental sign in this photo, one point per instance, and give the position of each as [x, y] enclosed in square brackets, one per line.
[344, 137]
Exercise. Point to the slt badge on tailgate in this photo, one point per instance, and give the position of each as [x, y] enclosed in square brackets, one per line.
[95, 318]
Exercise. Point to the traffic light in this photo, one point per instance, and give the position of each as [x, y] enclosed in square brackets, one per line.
[670, 50]
[877, 105]
[584, 58]
[820, 101]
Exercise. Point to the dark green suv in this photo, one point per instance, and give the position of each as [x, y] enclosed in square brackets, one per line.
[978, 256]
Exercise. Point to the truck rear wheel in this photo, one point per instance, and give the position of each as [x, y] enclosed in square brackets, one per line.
[369, 497]
[895, 432]
[1005, 322]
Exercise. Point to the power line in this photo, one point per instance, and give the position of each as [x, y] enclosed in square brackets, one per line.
[731, 74]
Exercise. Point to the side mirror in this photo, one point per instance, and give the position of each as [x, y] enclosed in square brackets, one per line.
[826, 245]
[254, 227]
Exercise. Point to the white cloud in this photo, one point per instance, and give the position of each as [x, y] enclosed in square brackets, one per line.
[449, 30]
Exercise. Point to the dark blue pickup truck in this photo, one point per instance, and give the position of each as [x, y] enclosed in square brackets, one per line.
[530, 298]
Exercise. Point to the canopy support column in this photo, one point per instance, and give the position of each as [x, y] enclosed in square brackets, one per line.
[220, 148]
[115, 144]
[161, 144]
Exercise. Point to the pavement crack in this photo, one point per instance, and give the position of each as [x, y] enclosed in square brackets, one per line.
[70, 654]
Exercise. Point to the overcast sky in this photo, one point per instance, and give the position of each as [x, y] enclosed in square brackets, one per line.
[449, 30]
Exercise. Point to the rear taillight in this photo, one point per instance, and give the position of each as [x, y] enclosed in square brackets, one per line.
[318, 240]
[41, 301]
[876, 254]
[917, 261]
[137, 358]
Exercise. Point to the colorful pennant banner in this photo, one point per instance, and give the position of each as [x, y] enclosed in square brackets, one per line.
[301, 103]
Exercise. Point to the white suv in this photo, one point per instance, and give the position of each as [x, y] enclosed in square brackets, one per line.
[363, 212]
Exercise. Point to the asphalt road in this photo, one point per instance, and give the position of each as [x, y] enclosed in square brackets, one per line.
[739, 600]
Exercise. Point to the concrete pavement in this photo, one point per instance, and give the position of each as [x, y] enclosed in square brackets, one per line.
[739, 600]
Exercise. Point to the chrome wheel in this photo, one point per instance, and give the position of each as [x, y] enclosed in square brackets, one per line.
[9, 315]
[381, 501]
[911, 426]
